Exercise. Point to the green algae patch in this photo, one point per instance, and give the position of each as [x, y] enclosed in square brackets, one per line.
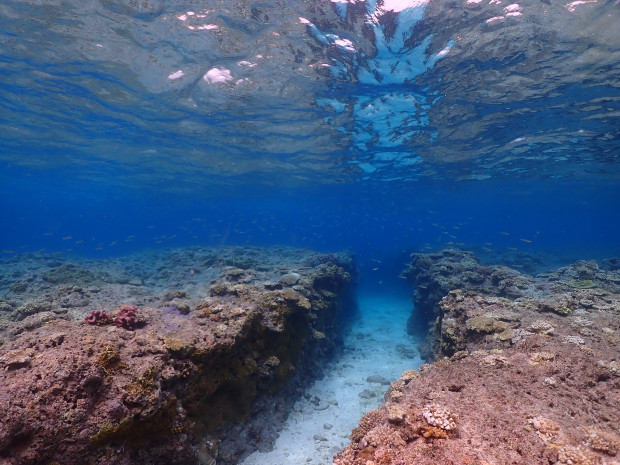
[178, 347]
[484, 324]
[561, 310]
[582, 284]
[144, 384]
[109, 360]
[505, 335]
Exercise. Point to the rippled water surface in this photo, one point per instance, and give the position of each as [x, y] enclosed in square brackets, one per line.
[319, 123]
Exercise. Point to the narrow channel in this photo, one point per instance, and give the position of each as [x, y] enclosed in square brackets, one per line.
[377, 349]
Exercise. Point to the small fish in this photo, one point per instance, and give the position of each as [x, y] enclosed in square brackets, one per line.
[8, 251]
[375, 269]
[114, 243]
[526, 240]
[48, 234]
[375, 260]
[66, 238]
[504, 233]
[79, 242]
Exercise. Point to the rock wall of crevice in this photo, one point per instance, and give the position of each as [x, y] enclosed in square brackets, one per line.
[204, 377]
[525, 370]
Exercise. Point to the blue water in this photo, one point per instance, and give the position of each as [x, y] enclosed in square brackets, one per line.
[379, 128]
[562, 220]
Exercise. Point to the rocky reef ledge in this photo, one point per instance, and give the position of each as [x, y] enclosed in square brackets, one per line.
[179, 357]
[525, 370]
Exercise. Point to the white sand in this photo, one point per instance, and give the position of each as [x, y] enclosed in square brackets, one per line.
[322, 420]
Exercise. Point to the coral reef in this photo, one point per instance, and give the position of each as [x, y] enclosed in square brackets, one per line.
[204, 383]
[513, 380]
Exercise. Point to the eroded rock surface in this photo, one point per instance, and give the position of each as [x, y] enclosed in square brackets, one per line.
[525, 371]
[219, 332]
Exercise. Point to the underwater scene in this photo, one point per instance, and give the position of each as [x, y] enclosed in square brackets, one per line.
[323, 232]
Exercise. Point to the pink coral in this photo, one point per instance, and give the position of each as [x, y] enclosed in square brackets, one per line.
[126, 317]
[98, 317]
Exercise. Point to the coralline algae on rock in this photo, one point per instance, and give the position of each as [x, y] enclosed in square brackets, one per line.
[544, 395]
[103, 393]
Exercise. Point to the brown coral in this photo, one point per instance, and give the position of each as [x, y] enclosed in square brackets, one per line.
[570, 455]
[602, 441]
[395, 414]
[432, 432]
[368, 422]
[546, 429]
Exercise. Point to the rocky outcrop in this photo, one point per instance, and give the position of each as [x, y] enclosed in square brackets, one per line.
[187, 381]
[527, 376]
[433, 276]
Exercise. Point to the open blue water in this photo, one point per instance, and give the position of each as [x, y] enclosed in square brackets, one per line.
[381, 127]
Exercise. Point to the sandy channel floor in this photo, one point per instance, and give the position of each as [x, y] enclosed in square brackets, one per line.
[377, 350]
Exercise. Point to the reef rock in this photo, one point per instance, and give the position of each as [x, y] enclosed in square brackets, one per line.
[528, 376]
[188, 379]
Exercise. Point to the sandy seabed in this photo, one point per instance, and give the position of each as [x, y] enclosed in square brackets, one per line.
[376, 351]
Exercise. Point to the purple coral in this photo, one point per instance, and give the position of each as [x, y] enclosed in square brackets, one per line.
[126, 317]
[98, 317]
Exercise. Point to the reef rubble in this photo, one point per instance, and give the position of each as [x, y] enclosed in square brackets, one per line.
[522, 370]
[195, 362]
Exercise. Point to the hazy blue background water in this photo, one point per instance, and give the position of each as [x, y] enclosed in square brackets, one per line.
[377, 127]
